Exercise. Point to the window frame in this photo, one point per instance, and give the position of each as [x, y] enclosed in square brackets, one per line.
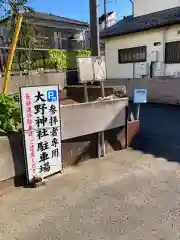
[174, 57]
[129, 54]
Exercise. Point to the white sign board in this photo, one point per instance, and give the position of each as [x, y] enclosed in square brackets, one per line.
[91, 69]
[99, 68]
[85, 69]
[42, 130]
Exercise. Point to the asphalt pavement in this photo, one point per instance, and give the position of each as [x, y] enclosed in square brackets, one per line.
[131, 194]
[127, 195]
[159, 131]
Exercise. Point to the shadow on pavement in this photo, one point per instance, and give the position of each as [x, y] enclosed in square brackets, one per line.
[159, 131]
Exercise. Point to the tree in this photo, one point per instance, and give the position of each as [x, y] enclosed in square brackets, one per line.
[11, 8]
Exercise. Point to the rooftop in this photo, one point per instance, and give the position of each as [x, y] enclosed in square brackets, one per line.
[141, 23]
[52, 17]
[102, 18]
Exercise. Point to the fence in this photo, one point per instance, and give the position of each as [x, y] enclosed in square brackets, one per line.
[160, 90]
[39, 53]
[61, 43]
[38, 59]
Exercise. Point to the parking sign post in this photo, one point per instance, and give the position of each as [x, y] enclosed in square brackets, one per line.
[140, 96]
[40, 110]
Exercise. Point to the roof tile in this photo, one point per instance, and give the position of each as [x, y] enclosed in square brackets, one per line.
[142, 23]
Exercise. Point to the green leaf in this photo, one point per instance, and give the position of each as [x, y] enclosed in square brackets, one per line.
[9, 114]
[66, 59]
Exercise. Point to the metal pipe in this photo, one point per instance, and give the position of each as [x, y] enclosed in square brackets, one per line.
[138, 112]
[164, 48]
[132, 2]
[85, 92]
[103, 144]
[99, 144]
[102, 89]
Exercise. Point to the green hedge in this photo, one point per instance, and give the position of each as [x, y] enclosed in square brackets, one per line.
[59, 59]
[66, 59]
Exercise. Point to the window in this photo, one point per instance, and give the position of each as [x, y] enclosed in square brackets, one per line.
[172, 52]
[130, 55]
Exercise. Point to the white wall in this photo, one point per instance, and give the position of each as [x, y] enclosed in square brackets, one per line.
[147, 38]
[111, 20]
[86, 118]
[142, 7]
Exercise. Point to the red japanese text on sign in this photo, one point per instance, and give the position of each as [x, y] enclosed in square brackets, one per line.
[29, 124]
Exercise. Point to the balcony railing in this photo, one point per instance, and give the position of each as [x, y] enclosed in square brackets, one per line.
[51, 43]
[60, 43]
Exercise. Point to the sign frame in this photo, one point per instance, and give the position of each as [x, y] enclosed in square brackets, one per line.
[137, 99]
[95, 59]
[31, 180]
[84, 75]
[93, 75]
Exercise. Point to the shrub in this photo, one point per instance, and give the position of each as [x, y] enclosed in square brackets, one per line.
[59, 58]
[64, 59]
[55, 58]
[9, 114]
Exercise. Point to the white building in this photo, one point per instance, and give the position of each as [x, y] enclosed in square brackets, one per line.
[146, 44]
[107, 21]
[110, 21]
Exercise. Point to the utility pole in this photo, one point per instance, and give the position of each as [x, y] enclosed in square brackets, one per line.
[95, 51]
[94, 27]
[105, 14]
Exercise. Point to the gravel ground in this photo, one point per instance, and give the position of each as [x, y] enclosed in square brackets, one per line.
[127, 195]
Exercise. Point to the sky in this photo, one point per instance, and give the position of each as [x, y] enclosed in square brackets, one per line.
[79, 9]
